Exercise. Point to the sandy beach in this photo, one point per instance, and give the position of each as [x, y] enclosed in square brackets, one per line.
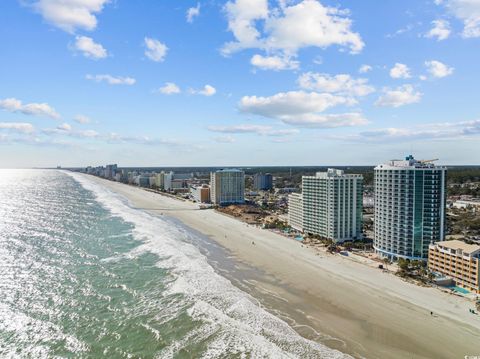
[369, 313]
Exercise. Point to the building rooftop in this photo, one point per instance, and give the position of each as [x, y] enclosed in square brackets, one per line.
[408, 162]
[456, 244]
[333, 172]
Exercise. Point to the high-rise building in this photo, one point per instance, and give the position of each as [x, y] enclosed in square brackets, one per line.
[263, 181]
[110, 171]
[227, 187]
[295, 211]
[330, 205]
[409, 207]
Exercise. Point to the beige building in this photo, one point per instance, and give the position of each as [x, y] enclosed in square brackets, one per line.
[295, 211]
[201, 194]
[457, 260]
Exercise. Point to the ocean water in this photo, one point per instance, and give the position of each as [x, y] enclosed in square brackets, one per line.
[84, 275]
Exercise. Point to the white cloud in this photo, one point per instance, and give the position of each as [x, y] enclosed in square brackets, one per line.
[258, 129]
[289, 104]
[36, 109]
[23, 127]
[275, 63]
[313, 120]
[400, 71]
[90, 48]
[169, 89]
[440, 30]
[420, 132]
[467, 11]
[82, 119]
[156, 51]
[70, 15]
[87, 134]
[112, 80]
[288, 28]
[193, 12]
[342, 84]
[302, 109]
[400, 96]
[64, 127]
[438, 69]
[207, 90]
[224, 139]
[364, 69]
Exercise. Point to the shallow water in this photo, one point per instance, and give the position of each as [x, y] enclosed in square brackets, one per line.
[83, 274]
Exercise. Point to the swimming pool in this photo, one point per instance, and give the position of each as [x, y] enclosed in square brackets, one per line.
[459, 290]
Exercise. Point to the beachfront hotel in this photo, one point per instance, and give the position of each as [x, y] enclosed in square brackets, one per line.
[330, 205]
[409, 207]
[227, 186]
[459, 261]
[295, 211]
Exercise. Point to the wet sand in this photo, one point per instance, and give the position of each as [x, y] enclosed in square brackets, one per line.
[346, 305]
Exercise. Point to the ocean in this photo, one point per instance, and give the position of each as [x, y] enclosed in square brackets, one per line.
[85, 275]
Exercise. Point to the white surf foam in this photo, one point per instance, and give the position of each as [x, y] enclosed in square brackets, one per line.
[233, 321]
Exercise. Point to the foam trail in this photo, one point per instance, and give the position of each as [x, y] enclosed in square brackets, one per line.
[232, 321]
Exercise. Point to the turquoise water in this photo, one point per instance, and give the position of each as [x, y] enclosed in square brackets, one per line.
[84, 275]
[459, 290]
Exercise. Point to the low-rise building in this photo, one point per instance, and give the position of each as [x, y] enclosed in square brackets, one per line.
[457, 260]
[201, 194]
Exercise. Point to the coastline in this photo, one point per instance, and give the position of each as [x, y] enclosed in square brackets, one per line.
[369, 313]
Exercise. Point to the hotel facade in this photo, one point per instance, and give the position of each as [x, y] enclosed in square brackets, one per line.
[410, 198]
[459, 261]
[227, 187]
[330, 205]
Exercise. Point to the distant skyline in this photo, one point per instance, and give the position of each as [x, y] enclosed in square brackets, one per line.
[238, 83]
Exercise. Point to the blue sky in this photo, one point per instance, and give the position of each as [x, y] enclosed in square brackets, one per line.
[244, 82]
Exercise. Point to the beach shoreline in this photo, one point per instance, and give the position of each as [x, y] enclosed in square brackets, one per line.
[346, 305]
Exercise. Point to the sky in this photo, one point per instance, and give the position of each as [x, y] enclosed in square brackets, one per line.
[238, 83]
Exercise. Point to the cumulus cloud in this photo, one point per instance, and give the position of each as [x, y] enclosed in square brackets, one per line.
[70, 15]
[400, 71]
[275, 63]
[467, 11]
[169, 89]
[400, 96]
[207, 90]
[35, 109]
[193, 12]
[291, 103]
[302, 108]
[258, 129]
[112, 80]
[440, 30]
[156, 51]
[342, 84]
[364, 69]
[82, 119]
[90, 48]
[22, 127]
[438, 69]
[288, 28]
